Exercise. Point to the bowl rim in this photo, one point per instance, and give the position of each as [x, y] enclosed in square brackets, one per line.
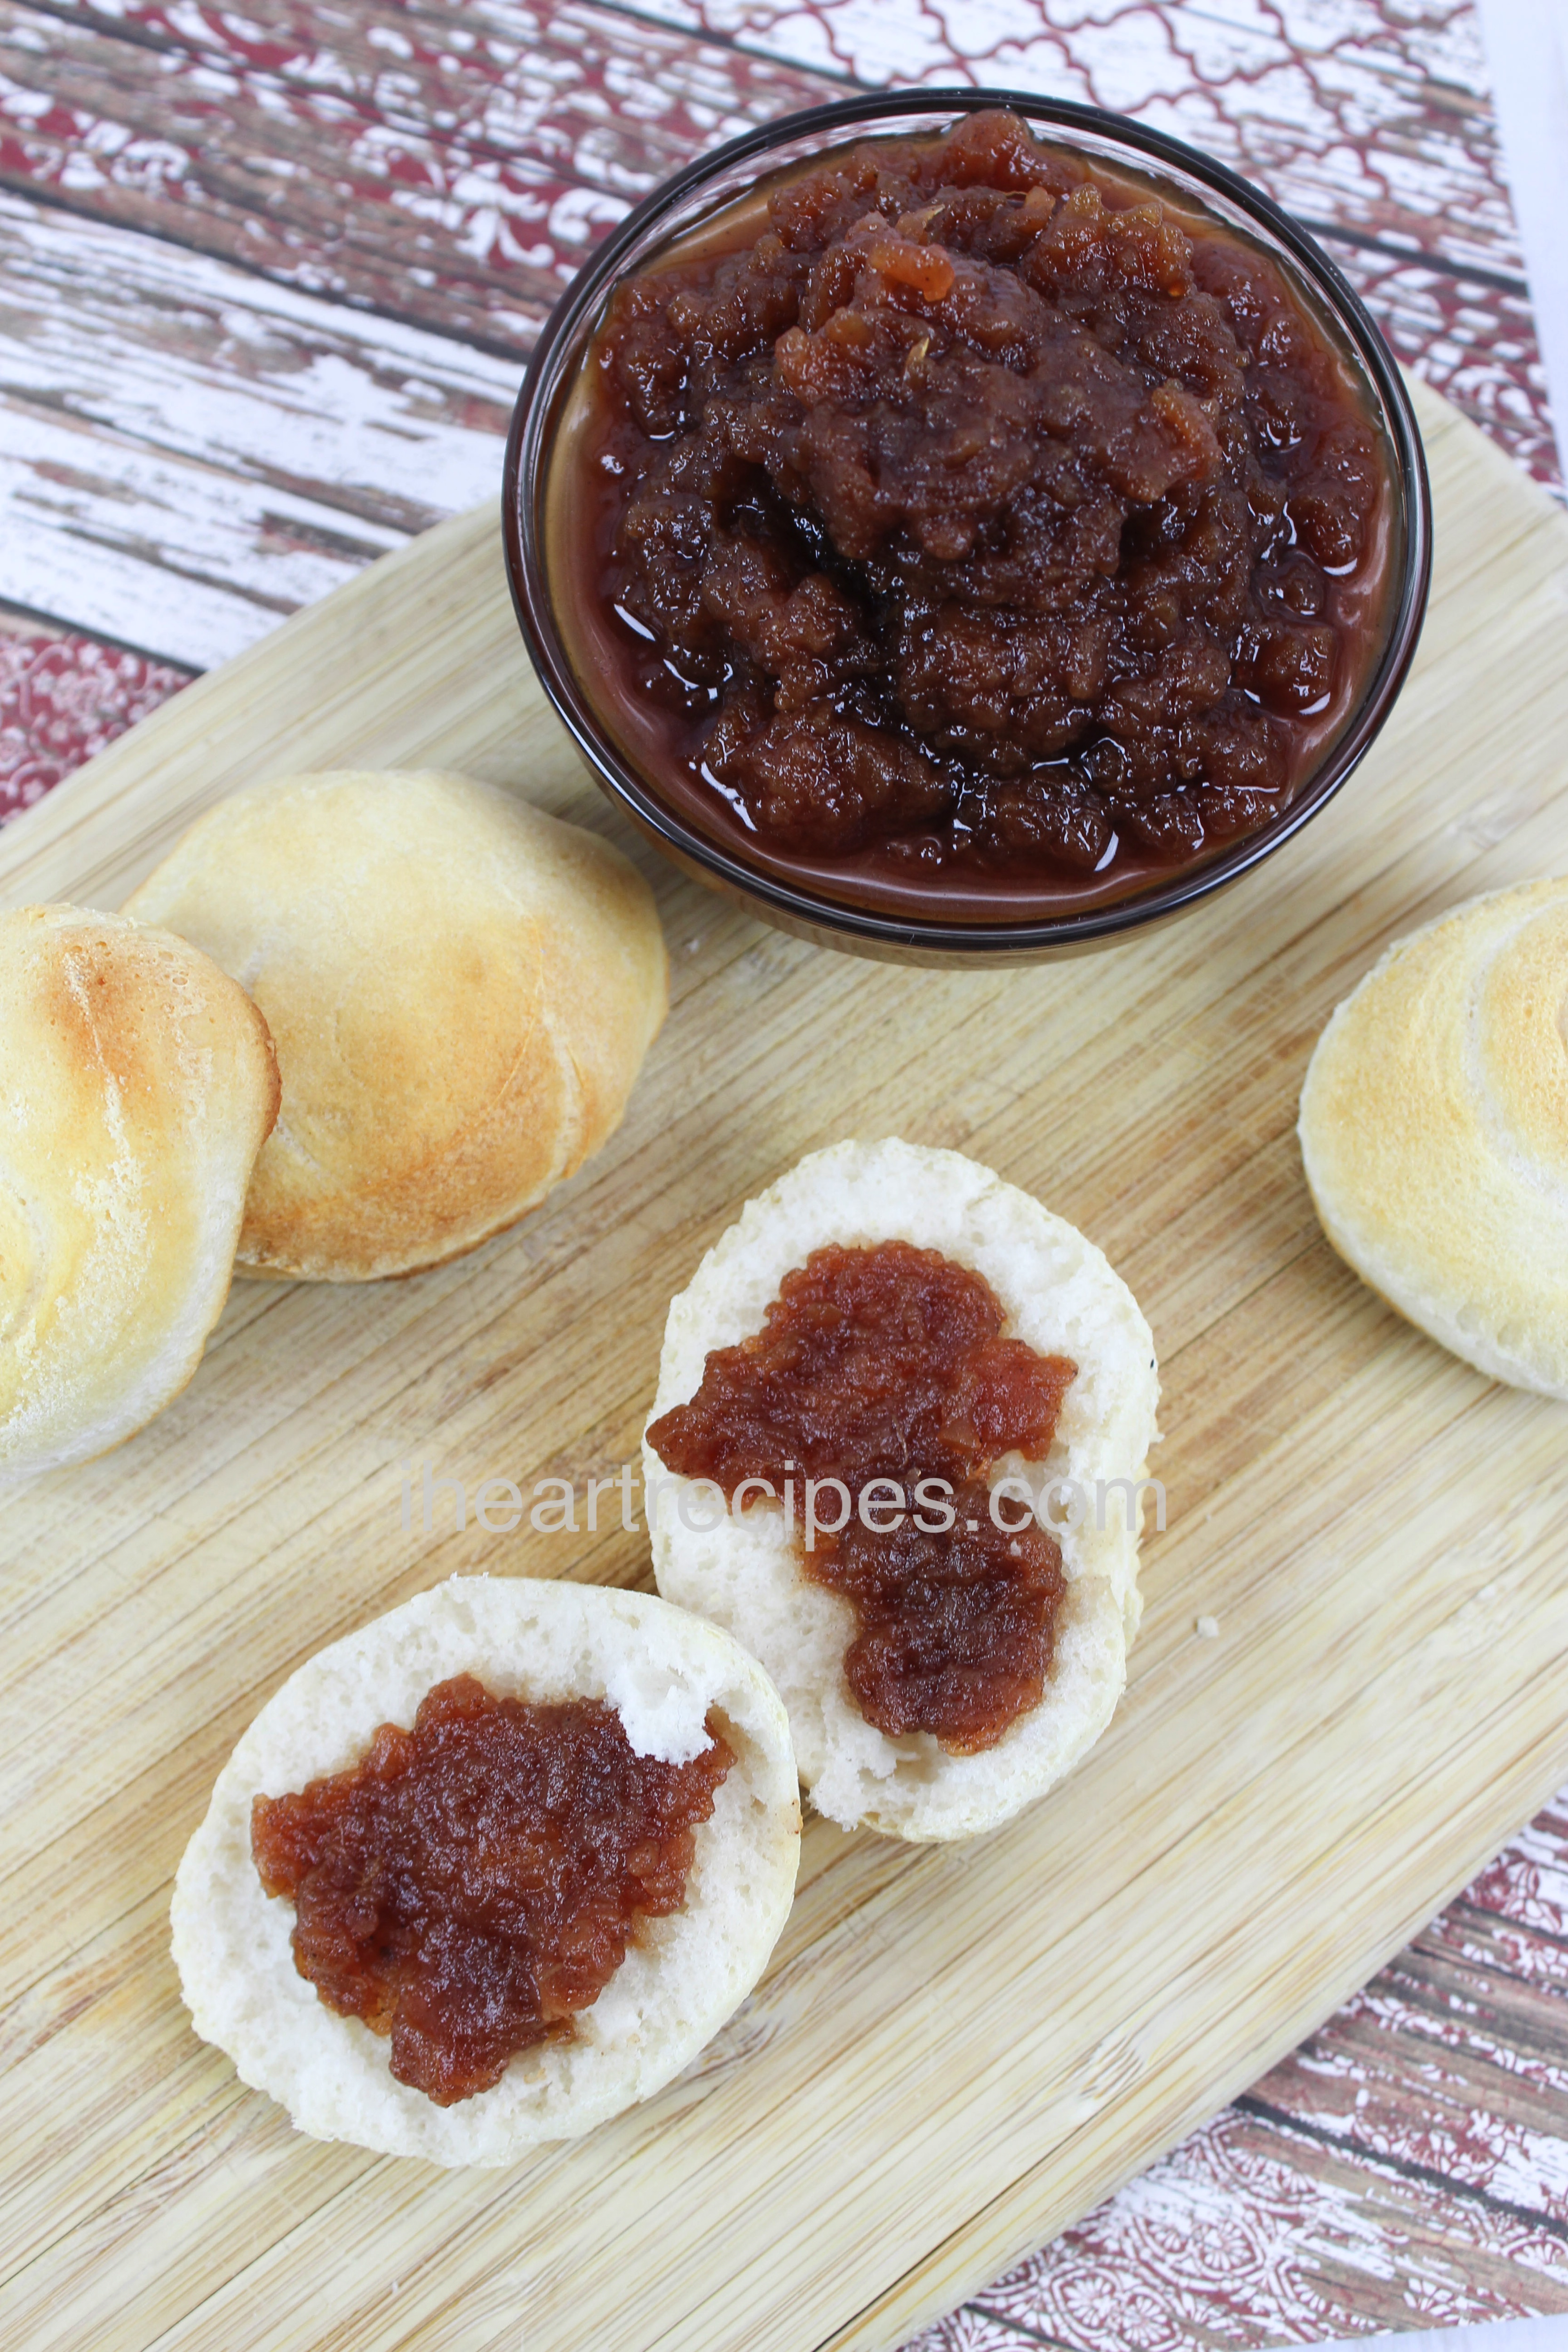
[528, 444]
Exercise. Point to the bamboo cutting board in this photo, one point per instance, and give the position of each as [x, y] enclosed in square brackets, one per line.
[955, 2051]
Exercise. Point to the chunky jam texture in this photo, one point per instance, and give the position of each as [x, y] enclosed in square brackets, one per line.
[889, 1363]
[473, 1883]
[975, 508]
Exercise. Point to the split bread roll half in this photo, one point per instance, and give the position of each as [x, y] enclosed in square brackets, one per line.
[1434, 1130]
[664, 1673]
[1061, 1298]
[461, 990]
[137, 1085]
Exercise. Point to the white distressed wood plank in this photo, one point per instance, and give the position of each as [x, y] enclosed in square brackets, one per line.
[188, 453]
[186, 354]
[179, 561]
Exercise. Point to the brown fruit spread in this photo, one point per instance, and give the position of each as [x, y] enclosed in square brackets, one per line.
[889, 1363]
[960, 518]
[472, 1883]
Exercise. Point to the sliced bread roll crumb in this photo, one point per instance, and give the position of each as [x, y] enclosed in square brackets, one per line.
[537, 1641]
[1061, 1298]
[1434, 1132]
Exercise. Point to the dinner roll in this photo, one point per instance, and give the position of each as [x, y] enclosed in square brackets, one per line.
[681, 1977]
[461, 990]
[137, 1084]
[1059, 1296]
[1435, 1132]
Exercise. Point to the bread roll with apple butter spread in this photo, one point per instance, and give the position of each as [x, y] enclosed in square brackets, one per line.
[890, 1315]
[1435, 1132]
[137, 1084]
[461, 990]
[526, 1847]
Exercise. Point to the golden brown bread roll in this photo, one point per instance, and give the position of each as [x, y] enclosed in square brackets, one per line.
[1435, 1132]
[461, 990]
[137, 1084]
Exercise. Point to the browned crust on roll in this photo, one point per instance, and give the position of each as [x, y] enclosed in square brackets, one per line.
[137, 1084]
[1434, 1132]
[462, 989]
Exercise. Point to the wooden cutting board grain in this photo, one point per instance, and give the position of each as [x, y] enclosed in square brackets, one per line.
[954, 2053]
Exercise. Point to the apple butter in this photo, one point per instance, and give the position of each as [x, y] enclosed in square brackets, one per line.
[963, 515]
[472, 1883]
[886, 1367]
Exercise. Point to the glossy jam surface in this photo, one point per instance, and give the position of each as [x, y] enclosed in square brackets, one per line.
[889, 1363]
[473, 1883]
[974, 517]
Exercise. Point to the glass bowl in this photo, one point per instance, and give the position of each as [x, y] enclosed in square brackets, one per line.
[806, 906]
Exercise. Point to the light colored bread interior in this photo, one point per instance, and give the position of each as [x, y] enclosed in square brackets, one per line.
[1060, 1295]
[461, 990]
[137, 1084]
[682, 1977]
[1435, 1132]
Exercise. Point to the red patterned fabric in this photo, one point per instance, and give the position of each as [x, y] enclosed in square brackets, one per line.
[61, 700]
